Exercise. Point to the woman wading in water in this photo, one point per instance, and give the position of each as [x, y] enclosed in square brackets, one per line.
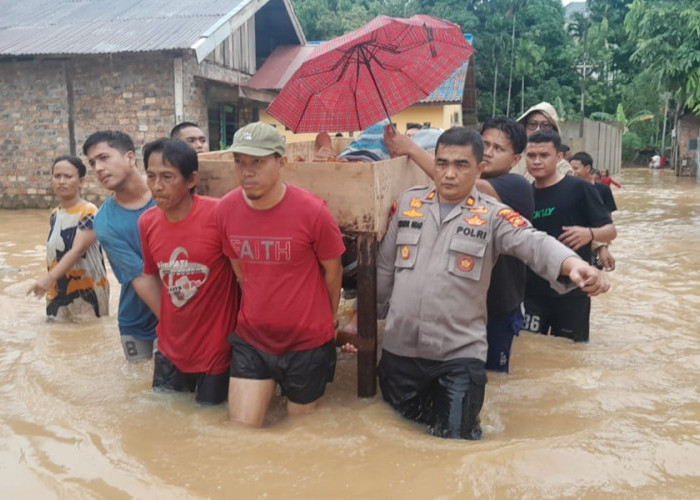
[76, 285]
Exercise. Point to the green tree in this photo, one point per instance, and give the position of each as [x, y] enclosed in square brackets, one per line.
[621, 118]
[667, 45]
[529, 56]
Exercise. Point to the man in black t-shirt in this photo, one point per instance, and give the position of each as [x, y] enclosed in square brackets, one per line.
[504, 141]
[582, 163]
[571, 210]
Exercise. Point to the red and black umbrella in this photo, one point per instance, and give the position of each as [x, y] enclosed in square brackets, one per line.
[356, 80]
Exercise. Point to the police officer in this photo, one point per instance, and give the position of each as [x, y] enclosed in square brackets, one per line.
[433, 275]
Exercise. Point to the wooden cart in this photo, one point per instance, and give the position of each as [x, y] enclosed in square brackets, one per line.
[359, 195]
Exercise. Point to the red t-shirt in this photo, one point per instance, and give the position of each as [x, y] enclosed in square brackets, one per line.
[198, 307]
[285, 304]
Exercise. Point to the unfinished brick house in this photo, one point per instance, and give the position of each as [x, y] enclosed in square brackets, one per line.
[71, 67]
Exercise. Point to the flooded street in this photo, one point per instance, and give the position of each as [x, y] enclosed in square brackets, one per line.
[616, 418]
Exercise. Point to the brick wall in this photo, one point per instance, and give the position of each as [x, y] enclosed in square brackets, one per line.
[33, 130]
[132, 93]
[128, 92]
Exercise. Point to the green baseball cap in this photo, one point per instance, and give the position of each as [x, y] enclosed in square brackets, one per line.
[258, 139]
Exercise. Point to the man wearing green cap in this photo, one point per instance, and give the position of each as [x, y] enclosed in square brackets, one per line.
[285, 248]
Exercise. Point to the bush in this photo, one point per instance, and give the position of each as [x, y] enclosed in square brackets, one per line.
[631, 144]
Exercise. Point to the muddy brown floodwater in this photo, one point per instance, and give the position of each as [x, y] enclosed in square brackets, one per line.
[616, 418]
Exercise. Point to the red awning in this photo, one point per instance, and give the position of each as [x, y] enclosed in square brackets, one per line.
[279, 67]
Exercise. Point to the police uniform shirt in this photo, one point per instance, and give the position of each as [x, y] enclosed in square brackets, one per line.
[433, 276]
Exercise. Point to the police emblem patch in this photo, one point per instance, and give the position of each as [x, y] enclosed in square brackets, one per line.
[465, 263]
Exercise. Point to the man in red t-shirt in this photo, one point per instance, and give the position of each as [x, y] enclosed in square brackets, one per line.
[285, 248]
[190, 282]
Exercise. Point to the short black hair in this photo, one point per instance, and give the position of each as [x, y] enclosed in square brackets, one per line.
[176, 153]
[585, 159]
[73, 160]
[175, 132]
[462, 136]
[543, 136]
[564, 148]
[411, 125]
[514, 130]
[114, 138]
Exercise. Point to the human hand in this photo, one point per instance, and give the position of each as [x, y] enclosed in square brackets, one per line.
[41, 286]
[575, 237]
[588, 278]
[605, 259]
[397, 144]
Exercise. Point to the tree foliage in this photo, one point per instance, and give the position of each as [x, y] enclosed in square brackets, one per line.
[526, 52]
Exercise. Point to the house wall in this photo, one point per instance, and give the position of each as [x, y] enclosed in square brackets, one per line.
[132, 93]
[689, 130]
[439, 116]
[688, 144]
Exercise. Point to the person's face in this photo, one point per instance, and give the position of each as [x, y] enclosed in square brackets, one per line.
[537, 121]
[498, 153]
[456, 171]
[170, 189]
[65, 180]
[258, 175]
[112, 167]
[580, 170]
[194, 136]
[541, 160]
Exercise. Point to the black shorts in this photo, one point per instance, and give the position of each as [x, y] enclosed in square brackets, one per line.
[500, 332]
[445, 395]
[210, 389]
[564, 316]
[302, 375]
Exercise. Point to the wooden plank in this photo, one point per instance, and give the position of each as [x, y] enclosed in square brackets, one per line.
[358, 194]
[366, 315]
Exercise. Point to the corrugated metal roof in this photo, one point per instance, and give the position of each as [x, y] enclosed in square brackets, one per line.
[451, 90]
[280, 66]
[30, 27]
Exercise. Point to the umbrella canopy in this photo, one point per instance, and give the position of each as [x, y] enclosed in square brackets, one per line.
[354, 81]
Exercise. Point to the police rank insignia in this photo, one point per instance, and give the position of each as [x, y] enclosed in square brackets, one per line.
[465, 263]
[405, 252]
[431, 195]
[469, 201]
[475, 220]
[415, 203]
[513, 217]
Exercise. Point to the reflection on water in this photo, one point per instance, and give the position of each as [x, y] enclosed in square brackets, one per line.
[618, 417]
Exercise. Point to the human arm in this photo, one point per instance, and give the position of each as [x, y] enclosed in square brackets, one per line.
[400, 144]
[386, 256]
[575, 237]
[484, 186]
[614, 182]
[82, 241]
[333, 277]
[584, 276]
[236, 265]
[149, 288]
